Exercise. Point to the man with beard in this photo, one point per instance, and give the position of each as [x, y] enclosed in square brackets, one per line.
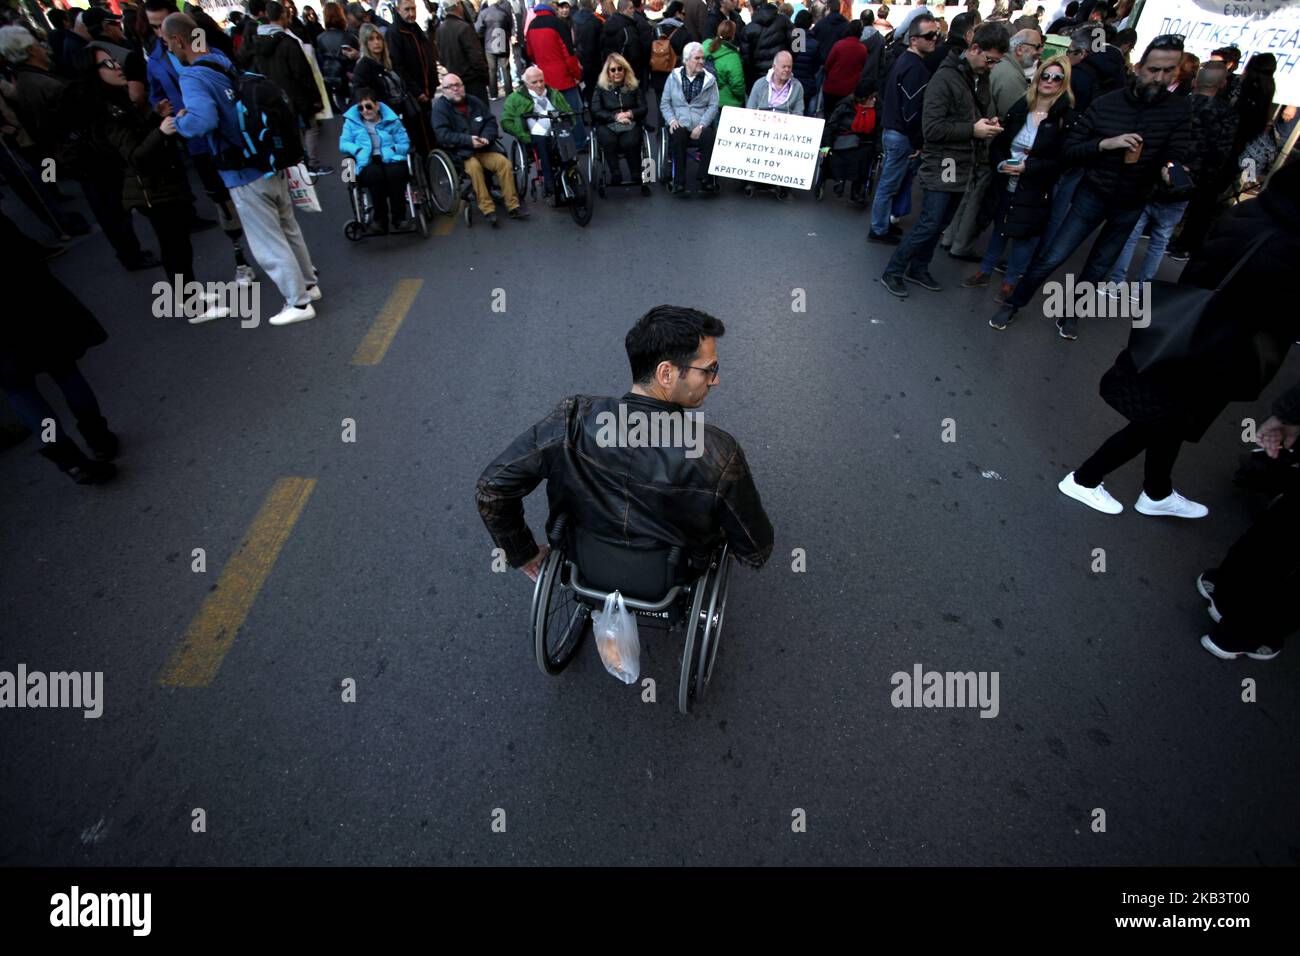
[1125, 142]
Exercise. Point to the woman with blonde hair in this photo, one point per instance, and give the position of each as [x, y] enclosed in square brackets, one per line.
[1027, 155]
[618, 108]
[374, 69]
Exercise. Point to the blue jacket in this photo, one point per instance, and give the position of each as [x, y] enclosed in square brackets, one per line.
[394, 144]
[210, 113]
[164, 84]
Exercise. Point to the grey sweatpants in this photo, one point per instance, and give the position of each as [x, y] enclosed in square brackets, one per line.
[274, 238]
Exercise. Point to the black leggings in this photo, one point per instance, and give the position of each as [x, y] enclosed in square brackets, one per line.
[1160, 444]
[387, 185]
[627, 145]
[171, 224]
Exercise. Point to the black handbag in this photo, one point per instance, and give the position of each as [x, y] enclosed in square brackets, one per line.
[1177, 329]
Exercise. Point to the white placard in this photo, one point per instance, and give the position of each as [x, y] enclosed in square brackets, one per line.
[778, 149]
[1252, 26]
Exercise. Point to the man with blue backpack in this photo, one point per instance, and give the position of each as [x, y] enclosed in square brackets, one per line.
[252, 131]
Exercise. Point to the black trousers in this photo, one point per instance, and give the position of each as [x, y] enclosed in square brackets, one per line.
[1126, 444]
[1255, 584]
[681, 142]
[105, 200]
[387, 185]
[171, 224]
[627, 145]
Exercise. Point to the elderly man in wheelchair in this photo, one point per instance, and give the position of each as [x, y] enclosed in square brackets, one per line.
[465, 127]
[377, 143]
[644, 499]
[524, 116]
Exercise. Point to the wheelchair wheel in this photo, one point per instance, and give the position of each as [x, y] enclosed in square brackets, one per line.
[519, 166]
[354, 231]
[444, 183]
[559, 619]
[717, 609]
[580, 205]
[422, 222]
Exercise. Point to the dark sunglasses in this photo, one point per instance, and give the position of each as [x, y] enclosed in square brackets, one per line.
[367, 107]
[932, 35]
[616, 69]
[1167, 41]
[1053, 77]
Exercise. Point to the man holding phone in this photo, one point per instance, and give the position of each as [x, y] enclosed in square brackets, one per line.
[952, 121]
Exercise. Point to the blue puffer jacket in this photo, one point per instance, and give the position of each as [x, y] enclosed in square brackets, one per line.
[394, 144]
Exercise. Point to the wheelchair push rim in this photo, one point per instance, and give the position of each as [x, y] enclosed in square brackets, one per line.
[444, 183]
[559, 618]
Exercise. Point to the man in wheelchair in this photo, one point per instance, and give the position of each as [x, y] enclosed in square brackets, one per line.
[375, 138]
[465, 127]
[535, 97]
[620, 489]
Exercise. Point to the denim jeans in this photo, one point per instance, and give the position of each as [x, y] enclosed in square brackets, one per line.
[1061, 198]
[917, 247]
[1088, 211]
[1018, 259]
[897, 149]
[1163, 218]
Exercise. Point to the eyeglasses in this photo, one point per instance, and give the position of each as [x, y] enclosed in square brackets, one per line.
[1053, 77]
[108, 64]
[992, 61]
[712, 370]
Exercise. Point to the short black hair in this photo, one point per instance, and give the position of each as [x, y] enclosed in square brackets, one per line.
[991, 36]
[1129, 36]
[1072, 8]
[960, 24]
[58, 19]
[363, 94]
[668, 333]
[1229, 54]
[256, 8]
[274, 10]
[916, 27]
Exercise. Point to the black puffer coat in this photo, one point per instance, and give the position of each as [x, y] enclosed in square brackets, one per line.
[767, 34]
[1247, 334]
[1166, 128]
[1030, 204]
[153, 173]
[606, 104]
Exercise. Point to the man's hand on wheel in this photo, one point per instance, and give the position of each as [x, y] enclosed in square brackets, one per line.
[534, 567]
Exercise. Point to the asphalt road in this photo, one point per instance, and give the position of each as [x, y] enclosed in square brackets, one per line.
[954, 555]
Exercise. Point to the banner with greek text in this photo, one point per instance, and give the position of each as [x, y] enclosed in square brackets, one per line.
[1253, 26]
[777, 149]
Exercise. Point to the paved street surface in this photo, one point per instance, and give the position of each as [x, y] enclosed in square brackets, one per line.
[954, 555]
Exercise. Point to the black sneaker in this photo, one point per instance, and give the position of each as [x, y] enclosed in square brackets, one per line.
[1179, 255]
[893, 284]
[923, 278]
[1205, 586]
[1004, 317]
[1068, 327]
[519, 212]
[895, 229]
[1216, 645]
[968, 257]
[709, 186]
[889, 238]
[92, 472]
[492, 218]
[645, 190]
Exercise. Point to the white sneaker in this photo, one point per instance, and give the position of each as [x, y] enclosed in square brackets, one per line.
[1098, 497]
[1175, 506]
[244, 275]
[1261, 653]
[211, 308]
[293, 313]
[313, 293]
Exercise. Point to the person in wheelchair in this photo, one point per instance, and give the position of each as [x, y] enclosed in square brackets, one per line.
[852, 135]
[618, 108]
[535, 97]
[375, 138]
[465, 127]
[689, 108]
[620, 487]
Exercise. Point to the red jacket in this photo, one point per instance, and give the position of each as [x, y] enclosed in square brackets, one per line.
[844, 66]
[546, 48]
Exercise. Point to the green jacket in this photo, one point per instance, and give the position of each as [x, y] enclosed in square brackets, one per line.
[519, 103]
[730, 72]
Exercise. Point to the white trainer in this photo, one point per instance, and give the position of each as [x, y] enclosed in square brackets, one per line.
[211, 308]
[1261, 653]
[1175, 506]
[313, 293]
[1098, 498]
[293, 313]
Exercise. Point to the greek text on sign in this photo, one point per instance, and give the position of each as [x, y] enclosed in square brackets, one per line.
[779, 149]
[1253, 26]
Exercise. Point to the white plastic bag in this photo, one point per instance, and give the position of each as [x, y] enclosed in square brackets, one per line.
[301, 190]
[616, 639]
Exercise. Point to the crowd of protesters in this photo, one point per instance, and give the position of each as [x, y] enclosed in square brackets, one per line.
[1022, 140]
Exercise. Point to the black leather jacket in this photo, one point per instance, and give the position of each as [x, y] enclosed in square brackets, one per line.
[631, 497]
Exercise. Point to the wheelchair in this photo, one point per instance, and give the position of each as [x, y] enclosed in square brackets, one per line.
[598, 170]
[663, 586]
[665, 159]
[452, 189]
[570, 171]
[827, 166]
[419, 204]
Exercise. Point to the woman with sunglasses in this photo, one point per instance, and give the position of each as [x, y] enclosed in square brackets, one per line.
[375, 138]
[146, 150]
[618, 108]
[1026, 155]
